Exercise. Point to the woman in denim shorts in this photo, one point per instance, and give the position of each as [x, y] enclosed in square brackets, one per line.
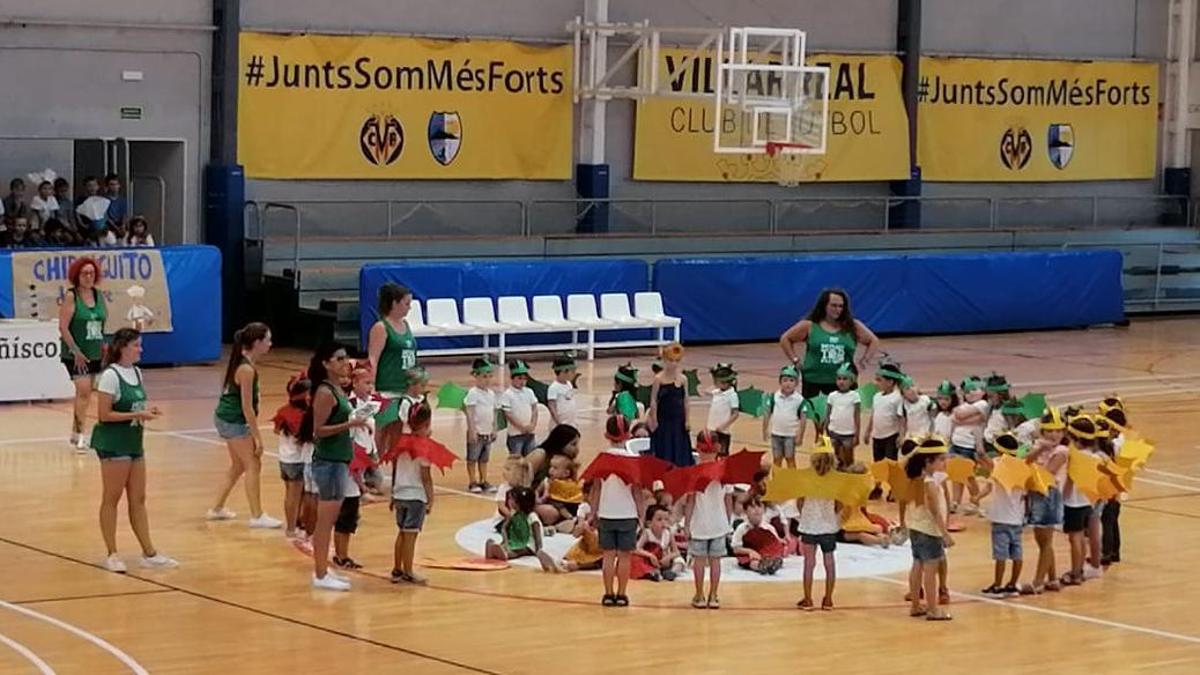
[327, 425]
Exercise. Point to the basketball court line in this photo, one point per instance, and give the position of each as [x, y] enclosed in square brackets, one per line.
[94, 596]
[1191, 639]
[138, 670]
[100, 642]
[24, 651]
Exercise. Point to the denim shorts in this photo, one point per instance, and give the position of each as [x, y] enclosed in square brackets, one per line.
[331, 479]
[310, 484]
[1046, 510]
[479, 451]
[1006, 542]
[925, 547]
[410, 514]
[783, 447]
[291, 471]
[826, 542]
[231, 430]
[960, 451]
[520, 444]
[708, 548]
[617, 534]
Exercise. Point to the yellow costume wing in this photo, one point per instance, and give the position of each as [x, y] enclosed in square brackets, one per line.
[960, 469]
[1011, 473]
[1084, 472]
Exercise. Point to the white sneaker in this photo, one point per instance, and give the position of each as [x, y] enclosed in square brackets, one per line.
[265, 522]
[159, 561]
[113, 563]
[330, 583]
[220, 514]
[1090, 572]
[340, 577]
[81, 444]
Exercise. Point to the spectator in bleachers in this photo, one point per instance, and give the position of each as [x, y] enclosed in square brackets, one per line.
[58, 234]
[87, 227]
[66, 203]
[14, 204]
[118, 208]
[139, 232]
[43, 206]
[19, 235]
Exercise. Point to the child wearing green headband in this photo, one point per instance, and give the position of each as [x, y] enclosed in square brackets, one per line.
[520, 407]
[969, 420]
[996, 390]
[918, 409]
[723, 411]
[783, 428]
[886, 424]
[946, 400]
[843, 412]
[480, 407]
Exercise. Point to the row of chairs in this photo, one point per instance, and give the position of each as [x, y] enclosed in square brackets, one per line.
[511, 316]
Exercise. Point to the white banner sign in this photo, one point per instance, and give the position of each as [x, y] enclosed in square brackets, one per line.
[30, 362]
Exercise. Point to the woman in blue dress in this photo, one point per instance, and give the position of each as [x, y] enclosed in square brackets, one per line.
[670, 437]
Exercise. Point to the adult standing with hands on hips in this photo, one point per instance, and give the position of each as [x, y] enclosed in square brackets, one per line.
[327, 424]
[236, 420]
[830, 336]
[117, 439]
[81, 317]
[391, 347]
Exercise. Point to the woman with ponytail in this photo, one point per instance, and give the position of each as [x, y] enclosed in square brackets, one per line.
[236, 419]
[327, 424]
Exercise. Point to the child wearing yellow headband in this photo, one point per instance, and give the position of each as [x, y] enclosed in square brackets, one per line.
[1046, 511]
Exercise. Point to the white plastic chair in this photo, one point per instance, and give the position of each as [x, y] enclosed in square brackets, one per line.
[479, 314]
[582, 310]
[648, 305]
[614, 307]
[548, 311]
[416, 322]
[443, 315]
[512, 310]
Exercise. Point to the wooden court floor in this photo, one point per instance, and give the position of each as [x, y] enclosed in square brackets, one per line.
[240, 602]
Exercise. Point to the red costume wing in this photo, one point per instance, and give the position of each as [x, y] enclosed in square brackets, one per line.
[741, 467]
[608, 464]
[695, 478]
[287, 420]
[362, 460]
[763, 542]
[420, 447]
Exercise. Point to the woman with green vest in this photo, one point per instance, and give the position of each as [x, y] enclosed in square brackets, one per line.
[81, 317]
[391, 347]
[830, 336]
[327, 424]
[236, 420]
[117, 439]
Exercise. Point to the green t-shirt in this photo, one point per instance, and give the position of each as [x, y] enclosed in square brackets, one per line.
[87, 327]
[399, 354]
[825, 353]
[336, 448]
[229, 406]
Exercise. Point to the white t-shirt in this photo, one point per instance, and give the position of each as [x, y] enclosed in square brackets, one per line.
[724, 402]
[352, 489]
[710, 520]
[841, 415]
[109, 383]
[885, 416]
[406, 479]
[502, 491]
[291, 451]
[739, 535]
[1028, 431]
[964, 435]
[943, 424]
[919, 419]
[1007, 506]
[818, 516]
[481, 406]
[520, 404]
[785, 413]
[996, 425]
[563, 395]
[616, 496]
[1073, 496]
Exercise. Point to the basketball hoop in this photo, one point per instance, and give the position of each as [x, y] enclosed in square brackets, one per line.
[789, 161]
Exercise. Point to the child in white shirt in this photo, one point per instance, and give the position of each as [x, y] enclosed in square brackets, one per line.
[886, 425]
[1006, 511]
[480, 407]
[723, 411]
[520, 408]
[707, 517]
[917, 410]
[783, 427]
[843, 410]
[618, 508]
[560, 395]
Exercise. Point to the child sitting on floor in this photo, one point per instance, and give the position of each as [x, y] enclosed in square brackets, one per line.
[560, 494]
[584, 554]
[521, 531]
[756, 543]
[656, 556]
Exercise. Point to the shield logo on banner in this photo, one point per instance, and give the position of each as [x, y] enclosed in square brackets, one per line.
[381, 139]
[1015, 148]
[445, 136]
[1060, 143]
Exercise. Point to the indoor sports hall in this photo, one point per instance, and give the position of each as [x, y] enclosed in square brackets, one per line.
[693, 336]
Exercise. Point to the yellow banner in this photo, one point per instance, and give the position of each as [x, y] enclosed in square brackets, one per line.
[1018, 120]
[40, 281]
[317, 106]
[868, 128]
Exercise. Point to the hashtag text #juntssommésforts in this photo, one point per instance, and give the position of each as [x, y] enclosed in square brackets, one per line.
[435, 74]
[1056, 92]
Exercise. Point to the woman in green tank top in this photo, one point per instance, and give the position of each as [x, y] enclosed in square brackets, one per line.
[830, 336]
[117, 439]
[390, 344]
[236, 420]
[81, 317]
[327, 424]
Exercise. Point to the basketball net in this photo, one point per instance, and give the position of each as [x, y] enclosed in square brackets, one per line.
[790, 164]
